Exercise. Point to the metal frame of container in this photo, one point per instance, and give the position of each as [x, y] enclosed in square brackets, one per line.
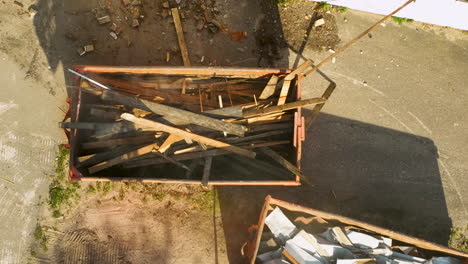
[75, 102]
[251, 247]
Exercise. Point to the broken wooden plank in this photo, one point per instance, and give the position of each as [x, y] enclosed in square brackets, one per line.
[180, 37]
[112, 114]
[284, 162]
[118, 141]
[184, 134]
[206, 171]
[270, 88]
[287, 81]
[171, 160]
[284, 107]
[176, 113]
[311, 117]
[171, 139]
[103, 156]
[122, 158]
[268, 127]
[255, 137]
[201, 154]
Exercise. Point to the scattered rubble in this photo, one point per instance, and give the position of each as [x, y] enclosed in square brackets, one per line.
[319, 22]
[104, 19]
[86, 49]
[337, 244]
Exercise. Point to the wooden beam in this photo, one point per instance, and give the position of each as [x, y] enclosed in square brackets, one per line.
[176, 113]
[284, 162]
[119, 141]
[171, 139]
[202, 154]
[171, 160]
[122, 158]
[269, 127]
[287, 80]
[180, 36]
[184, 134]
[270, 88]
[206, 171]
[311, 117]
[284, 107]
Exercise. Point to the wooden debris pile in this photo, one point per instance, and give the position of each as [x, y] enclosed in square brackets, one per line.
[188, 127]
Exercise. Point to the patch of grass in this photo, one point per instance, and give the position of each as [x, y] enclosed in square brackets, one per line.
[61, 191]
[284, 3]
[56, 214]
[204, 200]
[61, 162]
[106, 188]
[401, 20]
[324, 6]
[459, 238]
[342, 9]
[39, 235]
[98, 186]
[91, 189]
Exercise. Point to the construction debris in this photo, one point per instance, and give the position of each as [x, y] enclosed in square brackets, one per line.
[86, 49]
[182, 121]
[338, 244]
[113, 35]
[319, 22]
[104, 19]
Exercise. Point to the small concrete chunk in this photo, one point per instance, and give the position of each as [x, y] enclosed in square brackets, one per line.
[104, 20]
[319, 22]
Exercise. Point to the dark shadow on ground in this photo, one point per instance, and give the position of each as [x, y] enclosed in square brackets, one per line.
[371, 173]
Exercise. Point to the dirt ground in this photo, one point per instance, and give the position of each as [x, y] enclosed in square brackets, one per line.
[131, 223]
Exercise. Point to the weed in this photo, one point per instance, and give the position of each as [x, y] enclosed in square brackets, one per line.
[401, 20]
[204, 200]
[56, 214]
[324, 6]
[459, 238]
[59, 195]
[98, 186]
[158, 196]
[61, 190]
[284, 3]
[33, 253]
[91, 189]
[60, 166]
[106, 187]
[121, 194]
[39, 235]
[341, 9]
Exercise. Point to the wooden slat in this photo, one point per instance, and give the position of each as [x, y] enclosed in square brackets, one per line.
[122, 158]
[184, 134]
[311, 117]
[270, 88]
[202, 154]
[284, 107]
[284, 162]
[119, 141]
[289, 78]
[171, 139]
[206, 171]
[180, 37]
[171, 160]
[176, 113]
